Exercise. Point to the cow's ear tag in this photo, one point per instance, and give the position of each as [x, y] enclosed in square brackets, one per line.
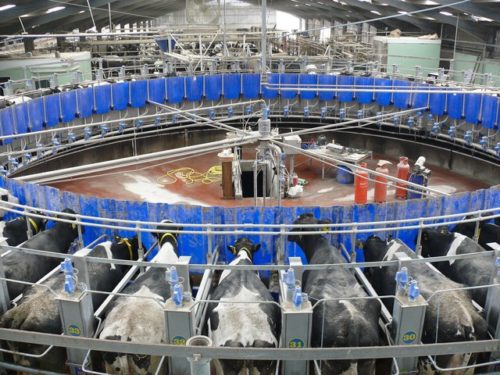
[73, 226]
[325, 229]
[232, 249]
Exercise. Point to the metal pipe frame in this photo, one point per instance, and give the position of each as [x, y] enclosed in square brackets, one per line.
[250, 353]
[486, 214]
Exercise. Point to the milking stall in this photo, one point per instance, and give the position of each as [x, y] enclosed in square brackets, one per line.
[229, 187]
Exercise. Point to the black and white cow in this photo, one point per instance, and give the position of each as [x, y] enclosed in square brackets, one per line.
[253, 324]
[140, 318]
[38, 309]
[470, 272]
[6, 196]
[488, 233]
[345, 321]
[16, 231]
[457, 319]
[31, 267]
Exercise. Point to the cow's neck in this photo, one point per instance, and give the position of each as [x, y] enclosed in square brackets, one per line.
[168, 249]
[311, 244]
[168, 238]
[123, 250]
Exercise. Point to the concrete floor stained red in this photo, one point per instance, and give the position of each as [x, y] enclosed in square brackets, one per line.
[150, 183]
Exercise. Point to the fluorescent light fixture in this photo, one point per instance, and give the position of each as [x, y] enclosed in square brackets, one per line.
[402, 12]
[376, 12]
[24, 15]
[80, 12]
[8, 6]
[430, 2]
[446, 13]
[55, 9]
[484, 19]
[430, 18]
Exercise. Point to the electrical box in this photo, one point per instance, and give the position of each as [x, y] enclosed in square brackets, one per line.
[294, 141]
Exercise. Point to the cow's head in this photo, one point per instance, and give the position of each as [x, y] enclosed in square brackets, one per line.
[125, 248]
[307, 218]
[244, 244]
[73, 228]
[165, 234]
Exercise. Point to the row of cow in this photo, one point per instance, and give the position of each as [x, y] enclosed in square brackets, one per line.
[347, 318]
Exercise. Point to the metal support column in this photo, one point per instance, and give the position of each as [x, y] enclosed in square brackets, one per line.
[263, 43]
[296, 320]
[408, 316]
[77, 318]
[179, 324]
[492, 305]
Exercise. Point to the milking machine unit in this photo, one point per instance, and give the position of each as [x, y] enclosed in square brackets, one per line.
[76, 311]
[408, 314]
[420, 176]
[296, 316]
[179, 315]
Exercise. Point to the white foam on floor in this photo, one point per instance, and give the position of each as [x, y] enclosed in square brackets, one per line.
[327, 190]
[150, 191]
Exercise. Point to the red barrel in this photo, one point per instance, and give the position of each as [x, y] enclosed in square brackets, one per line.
[403, 174]
[381, 181]
[361, 185]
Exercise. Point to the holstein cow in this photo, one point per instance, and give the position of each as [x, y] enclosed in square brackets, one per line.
[470, 272]
[488, 233]
[253, 324]
[30, 267]
[140, 318]
[16, 231]
[343, 322]
[457, 320]
[38, 309]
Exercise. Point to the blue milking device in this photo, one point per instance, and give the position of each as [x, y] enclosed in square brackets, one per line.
[420, 176]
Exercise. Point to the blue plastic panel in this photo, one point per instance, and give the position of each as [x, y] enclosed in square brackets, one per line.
[345, 82]
[472, 108]
[120, 96]
[52, 110]
[267, 93]
[157, 90]
[138, 93]
[68, 105]
[401, 99]
[232, 86]
[330, 81]
[289, 81]
[490, 111]
[175, 90]
[309, 81]
[102, 99]
[437, 102]
[455, 106]
[251, 86]
[383, 98]
[21, 114]
[7, 124]
[85, 98]
[421, 99]
[364, 97]
[194, 88]
[35, 108]
[213, 87]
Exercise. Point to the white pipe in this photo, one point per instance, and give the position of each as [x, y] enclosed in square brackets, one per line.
[132, 160]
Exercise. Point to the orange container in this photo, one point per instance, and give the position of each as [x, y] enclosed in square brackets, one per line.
[381, 181]
[403, 174]
[361, 185]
